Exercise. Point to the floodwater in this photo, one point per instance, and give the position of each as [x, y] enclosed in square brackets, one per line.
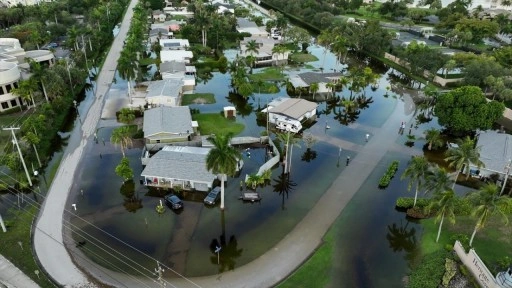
[374, 243]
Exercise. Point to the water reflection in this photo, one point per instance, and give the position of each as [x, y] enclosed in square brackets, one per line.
[401, 238]
[309, 155]
[283, 185]
[229, 250]
[242, 105]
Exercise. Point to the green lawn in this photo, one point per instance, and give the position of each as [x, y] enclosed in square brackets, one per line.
[268, 74]
[197, 98]
[492, 243]
[215, 123]
[266, 87]
[146, 61]
[318, 265]
[303, 57]
[18, 231]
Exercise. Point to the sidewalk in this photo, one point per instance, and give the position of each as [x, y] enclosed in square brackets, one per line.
[12, 277]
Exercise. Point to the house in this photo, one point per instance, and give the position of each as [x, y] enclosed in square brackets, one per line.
[264, 55]
[244, 25]
[163, 125]
[223, 7]
[304, 80]
[289, 113]
[176, 55]
[14, 68]
[174, 44]
[166, 92]
[180, 166]
[171, 26]
[158, 15]
[160, 33]
[495, 153]
[179, 71]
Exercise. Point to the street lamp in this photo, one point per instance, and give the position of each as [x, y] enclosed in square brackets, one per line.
[507, 170]
[217, 250]
[77, 112]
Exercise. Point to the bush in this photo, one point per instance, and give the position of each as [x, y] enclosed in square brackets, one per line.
[407, 202]
[417, 212]
[390, 173]
[430, 271]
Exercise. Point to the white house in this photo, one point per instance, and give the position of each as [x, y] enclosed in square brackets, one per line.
[289, 113]
[179, 71]
[304, 80]
[176, 55]
[264, 55]
[495, 153]
[244, 25]
[166, 92]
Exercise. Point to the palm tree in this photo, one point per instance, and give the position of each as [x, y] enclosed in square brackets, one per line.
[251, 47]
[487, 203]
[325, 39]
[122, 136]
[464, 155]
[313, 88]
[39, 74]
[254, 180]
[444, 205]
[126, 115]
[222, 159]
[438, 180]
[25, 90]
[279, 50]
[434, 139]
[416, 172]
[32, 139]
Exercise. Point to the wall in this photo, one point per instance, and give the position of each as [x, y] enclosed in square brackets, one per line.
[272, 161]
[475, 266]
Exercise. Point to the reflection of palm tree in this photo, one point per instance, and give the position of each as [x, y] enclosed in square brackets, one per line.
[132, 203]
[402, 239]
[228, 253]
[345, 116]
[242, 104]
[283, 185]
[309, 155]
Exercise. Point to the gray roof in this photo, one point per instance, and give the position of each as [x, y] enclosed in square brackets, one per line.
[165, 119]
[155, 31]
[297, 82]
[167, 87]
[311, 77]
[294, 108]
[244, 23]
[179, 164]
[172, 67]
[495, 150]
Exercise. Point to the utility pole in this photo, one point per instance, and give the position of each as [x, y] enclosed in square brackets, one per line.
[507, 170]
[19, 151]
[2, 224]
[159, 272]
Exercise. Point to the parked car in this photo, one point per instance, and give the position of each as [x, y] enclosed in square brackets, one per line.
[212, 197]
[174, 202]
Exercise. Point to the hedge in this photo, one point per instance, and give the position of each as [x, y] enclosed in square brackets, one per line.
[430, 271]
[463, 205]
[390, 173]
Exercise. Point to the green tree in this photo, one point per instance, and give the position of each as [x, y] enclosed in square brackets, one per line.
[504, 56]
[39, 73]
[122, 136]
[252, 47]
[313, 88]
[434, 138]
[479, 28]
[222, 159]
[438, 180]
[487, 203]
[32, 139]
[126, 115]
[444, 205]
[26, 90]
[464, 155]
[124, 170]
[465, 109]
[416, 172]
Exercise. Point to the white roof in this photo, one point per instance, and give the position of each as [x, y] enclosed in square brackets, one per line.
[175, 55]
[495, 150]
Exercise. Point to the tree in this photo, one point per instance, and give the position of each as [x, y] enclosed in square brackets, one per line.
[479, 29]
[487, 203]
[504, 56]
[444, 205]
[126, 115]
[465, 109]
[449, 66]
[39, 73]
[25, 90]
[313, 88]
[477, 69]
[222, 159]
[463, 156]
[124, 170]
[251, 47]
[122, 136]
[416, 172]
[32, 139]
[434, 138]
[438, 180]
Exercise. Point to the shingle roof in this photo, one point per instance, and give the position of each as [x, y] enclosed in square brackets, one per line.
[179, 164]
[172, 67]
[294, 108]
[167, 87]
[310, 77]
[496, 150]
[166, 119]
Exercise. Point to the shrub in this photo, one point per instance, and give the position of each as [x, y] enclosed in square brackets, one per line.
[407, 202]
[429, 273]
[417, 212]
[389, 174]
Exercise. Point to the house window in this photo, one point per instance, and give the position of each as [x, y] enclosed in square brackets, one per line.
[15, 84]
[2, 90]
[14, 103]
[158, 141]
[5, 105]
[8, 88]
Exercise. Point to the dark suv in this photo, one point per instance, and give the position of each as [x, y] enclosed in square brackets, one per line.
[174, 202]
[212, 197]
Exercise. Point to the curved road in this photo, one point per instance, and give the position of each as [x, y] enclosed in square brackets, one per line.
[267, 270]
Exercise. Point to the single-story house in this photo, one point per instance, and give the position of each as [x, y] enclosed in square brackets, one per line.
[166, 92]
[244, 25]
[179, 71]
[495, 153]
[289, 113]
[176, 55]
[223, 7]
[265, 55]
[160, 33]
[158, 15]
[174, 44]
[304, 80]
[171, 25]
[181, 166]
[168, 125]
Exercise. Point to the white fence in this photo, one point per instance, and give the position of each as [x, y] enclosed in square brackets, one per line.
[272, 161]
[476, 266]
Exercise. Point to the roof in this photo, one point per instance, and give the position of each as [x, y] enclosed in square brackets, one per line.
[184, 163]
[495, 150]
[172, 67]
[165, 119]
[167, 87]
[176, 55]
[244, 23]
[294, 108]
[297, 82]
[174, 43]
[311, 77]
